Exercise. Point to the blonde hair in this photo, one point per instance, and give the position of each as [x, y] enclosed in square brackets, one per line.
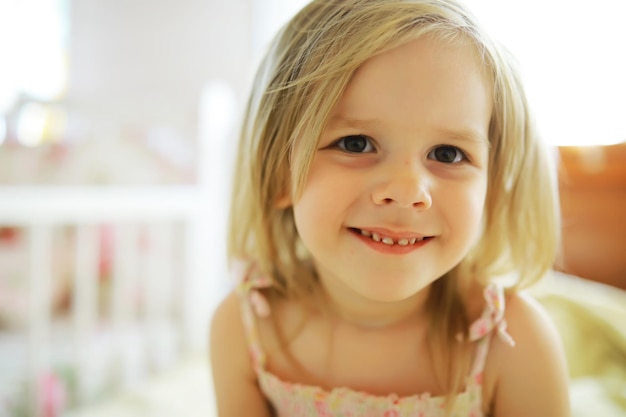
[304, 73]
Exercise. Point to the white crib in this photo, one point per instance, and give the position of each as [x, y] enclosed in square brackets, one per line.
[174, 275]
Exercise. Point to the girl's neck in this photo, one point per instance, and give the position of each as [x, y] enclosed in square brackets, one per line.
[359, 312]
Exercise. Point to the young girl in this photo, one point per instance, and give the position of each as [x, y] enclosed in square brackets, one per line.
[389, 176]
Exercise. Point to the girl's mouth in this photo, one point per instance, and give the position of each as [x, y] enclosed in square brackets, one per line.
[388, 240]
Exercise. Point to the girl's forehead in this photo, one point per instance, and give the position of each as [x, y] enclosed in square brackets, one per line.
[423, 77]
[420, 52]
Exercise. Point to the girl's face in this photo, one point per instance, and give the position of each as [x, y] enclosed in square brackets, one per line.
[395, 194]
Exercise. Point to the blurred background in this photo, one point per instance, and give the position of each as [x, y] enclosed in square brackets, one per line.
[118, 123]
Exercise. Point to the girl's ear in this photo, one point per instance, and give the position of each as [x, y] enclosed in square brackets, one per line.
[283, 201]
[283, 198]
[283, 190]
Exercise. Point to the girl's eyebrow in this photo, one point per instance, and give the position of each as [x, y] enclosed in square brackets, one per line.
[340, 121]
[463, 133]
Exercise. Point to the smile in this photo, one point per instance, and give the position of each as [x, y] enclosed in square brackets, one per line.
[390, 241]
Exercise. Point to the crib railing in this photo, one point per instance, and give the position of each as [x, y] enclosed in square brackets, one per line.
[158, 296]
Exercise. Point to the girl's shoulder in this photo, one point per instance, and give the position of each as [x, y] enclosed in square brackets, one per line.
[529, 324]
[227, 330]
[225, 313]
[529, 378]
[259, 319]
[233, 374]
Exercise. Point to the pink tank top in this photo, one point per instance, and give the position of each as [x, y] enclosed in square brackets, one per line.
[290, 399]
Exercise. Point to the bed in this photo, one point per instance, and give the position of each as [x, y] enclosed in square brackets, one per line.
[591, 318]
[104, 300]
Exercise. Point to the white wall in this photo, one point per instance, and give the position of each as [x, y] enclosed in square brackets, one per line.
[146, 61]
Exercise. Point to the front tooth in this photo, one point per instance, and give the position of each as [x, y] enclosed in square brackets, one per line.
[366, 233]
[403, 242]
[376, 237]
[388, 241]
[412, 241]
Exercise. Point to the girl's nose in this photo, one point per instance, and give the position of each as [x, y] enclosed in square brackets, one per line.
[404, 186]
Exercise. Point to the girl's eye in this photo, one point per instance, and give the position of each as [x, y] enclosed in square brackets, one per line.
[447, 154]
[355, 144]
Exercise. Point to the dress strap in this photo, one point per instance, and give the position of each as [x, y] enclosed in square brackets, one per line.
[491, 321]
[253, 305]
